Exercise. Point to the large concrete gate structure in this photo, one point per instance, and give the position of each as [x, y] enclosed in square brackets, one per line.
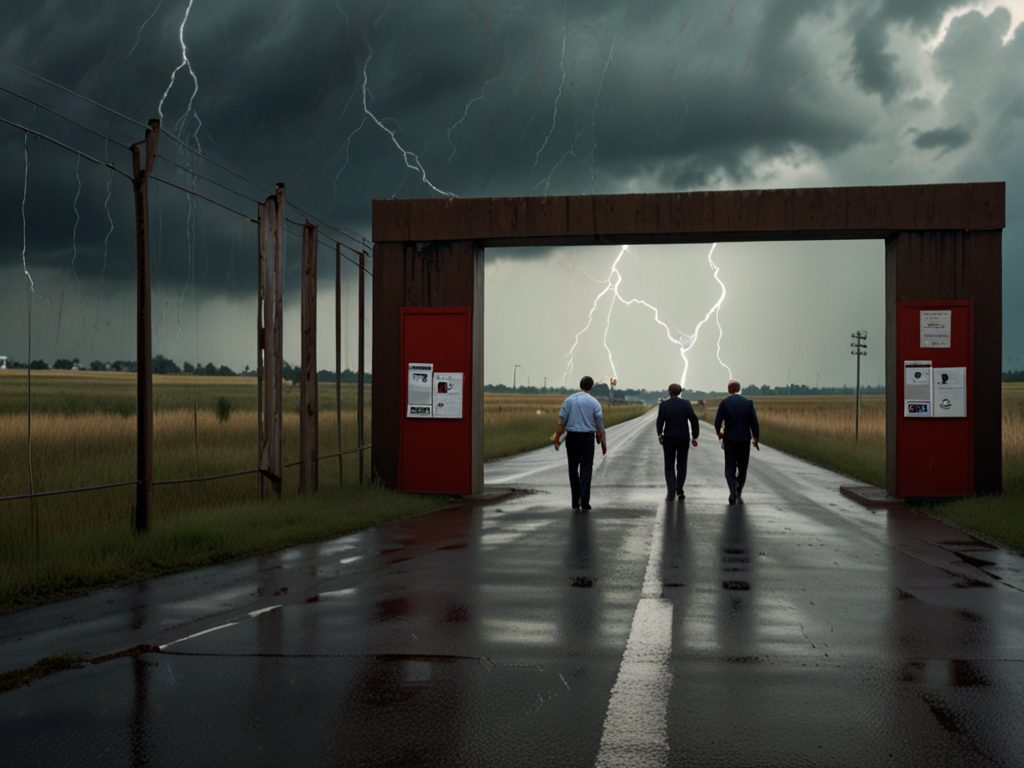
[943, 242]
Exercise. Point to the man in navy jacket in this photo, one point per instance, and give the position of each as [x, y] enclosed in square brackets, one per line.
[740, 426]
[675, 415]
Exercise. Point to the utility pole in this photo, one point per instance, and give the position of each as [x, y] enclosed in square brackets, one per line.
[859, 349]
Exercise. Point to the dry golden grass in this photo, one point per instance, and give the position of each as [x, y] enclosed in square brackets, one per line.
[830, 416]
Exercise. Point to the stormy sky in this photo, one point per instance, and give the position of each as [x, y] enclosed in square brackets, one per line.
[349, 101]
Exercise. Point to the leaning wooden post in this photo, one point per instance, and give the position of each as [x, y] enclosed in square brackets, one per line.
[337, 356]
[362, 360]
[269, 362]
[144, 341]
[308, 394]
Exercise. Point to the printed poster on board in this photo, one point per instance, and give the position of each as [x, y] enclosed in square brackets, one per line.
[917, 389]
[420, 397]
[936, 328]
[949, 387]
[447, 395]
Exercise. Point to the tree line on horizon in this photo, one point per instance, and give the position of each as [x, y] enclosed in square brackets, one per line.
[165, 366]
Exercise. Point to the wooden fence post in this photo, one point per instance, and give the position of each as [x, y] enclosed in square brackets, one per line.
[362, 360]
[269, 337]
[309, 411]
[144, 341]
[337, 356]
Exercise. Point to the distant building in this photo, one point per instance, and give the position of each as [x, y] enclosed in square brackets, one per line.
[3, 362]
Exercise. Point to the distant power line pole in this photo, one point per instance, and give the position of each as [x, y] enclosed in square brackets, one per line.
[859, 349]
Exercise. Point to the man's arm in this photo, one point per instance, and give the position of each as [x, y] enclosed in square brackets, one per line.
[719, 418]
[755, 428]
[599, 427]
[694, 425]
[558, 432]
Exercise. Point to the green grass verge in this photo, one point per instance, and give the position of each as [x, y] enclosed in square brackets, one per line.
[864, 461]
[67, 566]
[997, 519]
[16, 678]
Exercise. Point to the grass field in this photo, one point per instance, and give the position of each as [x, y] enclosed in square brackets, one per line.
[821, 428]
[83, 435]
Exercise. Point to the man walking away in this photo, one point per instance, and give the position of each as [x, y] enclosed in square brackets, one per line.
[582, 421]
[740, 426]
[678, 428]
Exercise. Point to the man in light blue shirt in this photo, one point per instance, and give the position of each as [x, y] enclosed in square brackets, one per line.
[582, 422]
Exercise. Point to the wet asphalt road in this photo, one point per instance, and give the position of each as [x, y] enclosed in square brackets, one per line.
[797, 628]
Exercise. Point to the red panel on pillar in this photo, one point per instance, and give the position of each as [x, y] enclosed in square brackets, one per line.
[435, 454]
[934, 454]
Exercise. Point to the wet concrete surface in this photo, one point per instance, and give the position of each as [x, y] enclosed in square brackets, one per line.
[796, 628]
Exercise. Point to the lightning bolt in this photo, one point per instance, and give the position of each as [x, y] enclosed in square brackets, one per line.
[597, 100]
[106, 242]
[715, 309]
[185, 64]
[346, 145]
[410, 159]
[24, 227]
[461, 120]
[558, 96]
[571, 152]
[179, 126]
[74, 243]
[138, 37]
[683, 341]
[415, 164]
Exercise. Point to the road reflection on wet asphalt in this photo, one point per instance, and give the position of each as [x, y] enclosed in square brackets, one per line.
[794, 628]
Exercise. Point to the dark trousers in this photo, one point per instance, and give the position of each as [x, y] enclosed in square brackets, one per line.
[677, 450]
[737, 456]
[579, 448]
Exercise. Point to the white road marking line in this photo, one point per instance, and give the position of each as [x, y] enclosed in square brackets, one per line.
[252, 615]
[268, 609]
[197, 634]
[635, 728]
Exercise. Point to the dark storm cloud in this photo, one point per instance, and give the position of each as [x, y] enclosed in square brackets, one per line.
[943, 138]
[875, 67]
[519, 97]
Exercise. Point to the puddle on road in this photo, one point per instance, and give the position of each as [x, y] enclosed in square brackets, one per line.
[736, 585]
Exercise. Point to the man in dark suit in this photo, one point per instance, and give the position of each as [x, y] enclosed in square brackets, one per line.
[677, 430]
[740, 426]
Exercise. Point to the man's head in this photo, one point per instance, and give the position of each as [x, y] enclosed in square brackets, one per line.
[734, 386]
[674, 389]
[586, 383]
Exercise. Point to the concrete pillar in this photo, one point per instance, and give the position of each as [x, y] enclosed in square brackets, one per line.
[432, 274]
[954, 265]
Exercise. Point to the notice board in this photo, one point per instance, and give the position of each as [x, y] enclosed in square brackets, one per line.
[435, 449]
[934, 432]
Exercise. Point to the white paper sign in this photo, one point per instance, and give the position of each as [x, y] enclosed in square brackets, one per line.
[448, 395]
[949, 389]
[420, 400]
[936, 328]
